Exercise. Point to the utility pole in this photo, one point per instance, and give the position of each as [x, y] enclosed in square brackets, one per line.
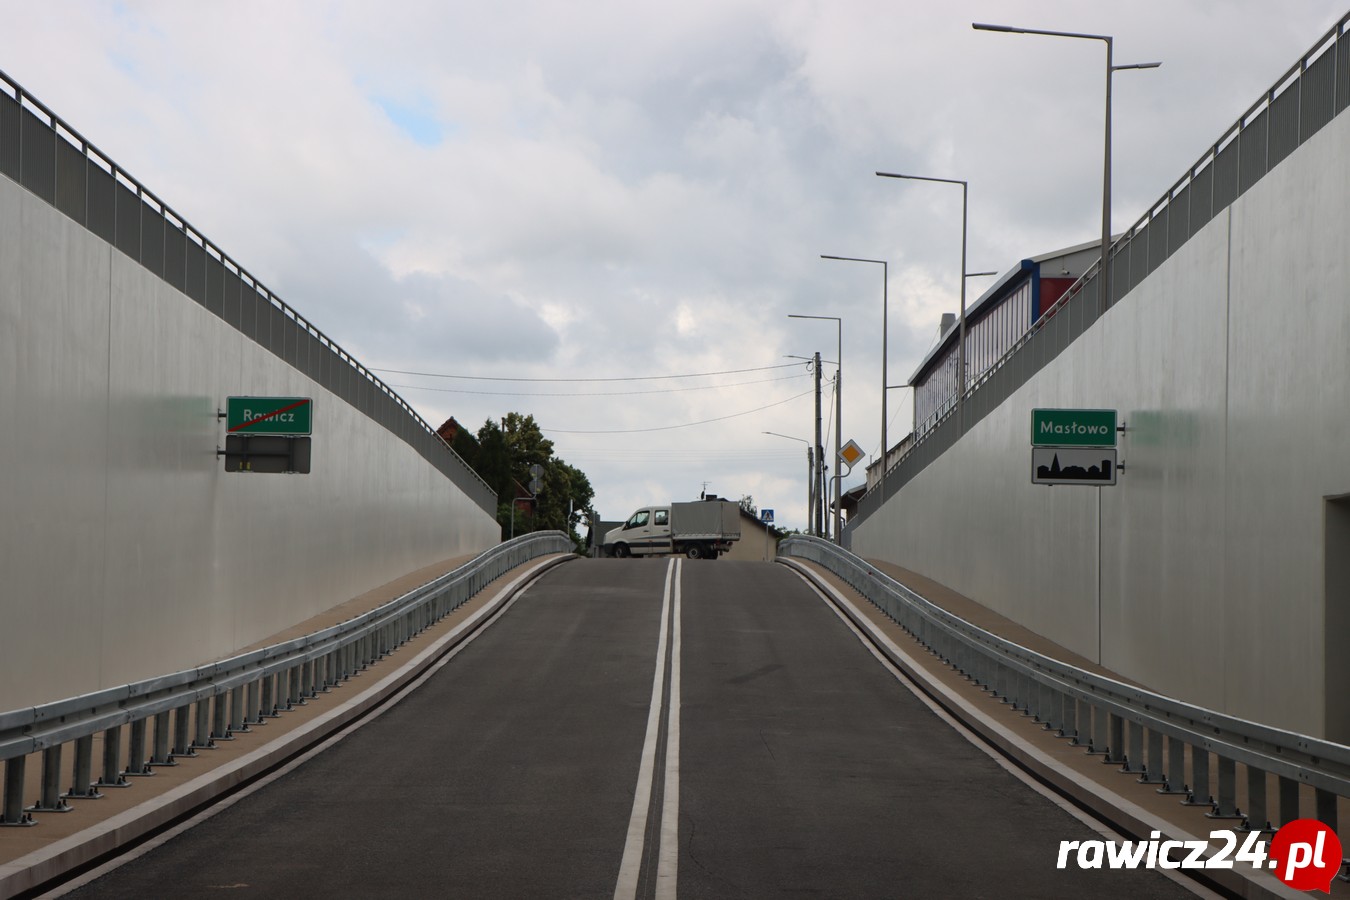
[820, 460]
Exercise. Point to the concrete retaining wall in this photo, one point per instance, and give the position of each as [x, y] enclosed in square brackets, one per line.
[126, 550]
[1204, 573]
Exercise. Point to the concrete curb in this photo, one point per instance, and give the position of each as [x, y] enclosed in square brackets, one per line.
[66, 856]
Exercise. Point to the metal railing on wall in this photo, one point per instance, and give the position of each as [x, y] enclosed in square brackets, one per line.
[192, 709]
[1310, 94]
[1163, 741]
[41, 152]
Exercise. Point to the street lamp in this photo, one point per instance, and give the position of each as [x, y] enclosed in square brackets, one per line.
[1105, 264]
[961, 334]
[810, 473]
[838, 413]
[885, 331]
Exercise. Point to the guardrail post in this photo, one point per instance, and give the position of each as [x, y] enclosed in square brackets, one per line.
[253, 712]
[1288, 800]
[50, 800]
[182, 722]
[1174, 778]
[162, 755]
[1155, 770]
[136, 755]
[1098, 745]
[268, 710]
[1134, 756]
[220, 712]
[1226, 806]
[237, 723]
[202, 740]
[112, 760]
[1115, 743]
[12, 812]
[328, 666]
[82, 781]
[293, 698]
[1256, 801]
[1082, 735]
[1068, 717]
[1199, 794]
[307, 679]
[1050, 709]
[1325, 806]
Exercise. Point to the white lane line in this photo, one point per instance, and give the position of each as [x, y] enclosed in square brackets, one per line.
[630, 866]
[670, 799]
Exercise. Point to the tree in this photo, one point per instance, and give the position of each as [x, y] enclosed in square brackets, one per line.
[506, 451]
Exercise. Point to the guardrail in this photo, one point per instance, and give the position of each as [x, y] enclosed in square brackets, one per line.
[1111, 718]
[211, 702]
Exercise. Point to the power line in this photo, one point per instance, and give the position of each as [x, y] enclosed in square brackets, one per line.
[704, 387]
[558, 380]
[671, 427]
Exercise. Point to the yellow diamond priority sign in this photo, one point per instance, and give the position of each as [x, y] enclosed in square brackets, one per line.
[851, 453]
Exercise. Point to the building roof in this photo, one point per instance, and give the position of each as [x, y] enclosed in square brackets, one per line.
[1075, 261]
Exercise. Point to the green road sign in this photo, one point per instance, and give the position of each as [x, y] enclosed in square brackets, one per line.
[268, 415]
[1073, 428]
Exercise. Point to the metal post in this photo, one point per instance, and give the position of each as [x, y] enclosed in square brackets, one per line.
[1257, 819]
[1103, 295]
[136, 755]
[112, 759]
[1226, 807]
[838, 427]
[961, 337]
[182, 721]
[1199, 794]
[162, 755]
[50, 800]
[202, 740]
[1175, 780]
[820, 457]
[12, 812]
[82, 783]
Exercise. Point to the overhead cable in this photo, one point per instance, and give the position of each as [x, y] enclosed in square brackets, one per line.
[556, 380]
[671, 427]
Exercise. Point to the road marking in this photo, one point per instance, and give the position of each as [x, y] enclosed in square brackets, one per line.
[670, 798]
[630, 867]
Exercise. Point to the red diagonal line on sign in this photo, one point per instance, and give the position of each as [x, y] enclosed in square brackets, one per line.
[276, 412]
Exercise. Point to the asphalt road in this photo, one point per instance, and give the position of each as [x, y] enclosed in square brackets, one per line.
[804, 769]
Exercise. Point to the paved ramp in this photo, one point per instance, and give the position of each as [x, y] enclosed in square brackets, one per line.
[533, 764]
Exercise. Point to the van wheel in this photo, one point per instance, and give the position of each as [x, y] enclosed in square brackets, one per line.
[695, 551]
[621, 551]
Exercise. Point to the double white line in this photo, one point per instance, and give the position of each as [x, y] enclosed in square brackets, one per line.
[668, 848]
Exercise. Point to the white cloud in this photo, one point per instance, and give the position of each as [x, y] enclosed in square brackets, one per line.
[609, 189]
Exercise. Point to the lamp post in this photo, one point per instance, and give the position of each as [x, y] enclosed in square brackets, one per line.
[810, 473]
[961, 333]
[838, 412]
[885, 331]
[1105, 265]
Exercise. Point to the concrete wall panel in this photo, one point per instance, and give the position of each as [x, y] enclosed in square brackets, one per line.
[127, 550]
[1230, 366]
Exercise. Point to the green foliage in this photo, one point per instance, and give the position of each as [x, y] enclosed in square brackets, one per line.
[506, 450]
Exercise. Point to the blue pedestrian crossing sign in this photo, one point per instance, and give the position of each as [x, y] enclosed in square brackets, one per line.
[766, 516]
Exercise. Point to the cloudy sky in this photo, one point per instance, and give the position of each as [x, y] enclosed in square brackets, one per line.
[595, 191]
